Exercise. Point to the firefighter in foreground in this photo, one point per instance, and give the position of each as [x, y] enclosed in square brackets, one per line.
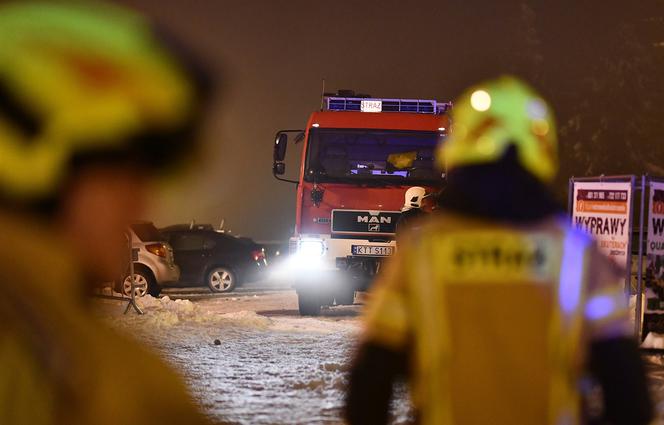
[92, 104]
[495, 308]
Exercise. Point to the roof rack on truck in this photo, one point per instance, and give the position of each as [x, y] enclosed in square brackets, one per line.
[363, 104]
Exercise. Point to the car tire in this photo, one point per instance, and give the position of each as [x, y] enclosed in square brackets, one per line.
[221, 279]
[154, 288]
[309, 304]
[144, 284]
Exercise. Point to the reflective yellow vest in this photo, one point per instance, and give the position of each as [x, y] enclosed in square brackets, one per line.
[58, 364]
[497, 318]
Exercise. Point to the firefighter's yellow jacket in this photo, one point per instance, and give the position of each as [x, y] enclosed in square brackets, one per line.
[58, 365]
[497, 318]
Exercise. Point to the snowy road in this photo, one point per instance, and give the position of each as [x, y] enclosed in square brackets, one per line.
[250, 358]
[268, 366]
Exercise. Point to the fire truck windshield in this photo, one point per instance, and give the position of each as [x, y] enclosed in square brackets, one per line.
[372, 156]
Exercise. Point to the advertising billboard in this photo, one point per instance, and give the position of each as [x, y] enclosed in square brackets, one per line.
[603, 209]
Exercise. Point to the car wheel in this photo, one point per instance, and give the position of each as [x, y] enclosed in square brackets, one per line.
[141, 283]
[221, 279]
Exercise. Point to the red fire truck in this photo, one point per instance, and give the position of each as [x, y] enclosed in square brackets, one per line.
[359, 156]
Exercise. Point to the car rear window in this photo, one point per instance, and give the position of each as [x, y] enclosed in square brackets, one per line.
[147, 232]
[187, 242]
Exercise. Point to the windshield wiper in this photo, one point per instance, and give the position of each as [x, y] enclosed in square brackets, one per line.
[360, 181]
[367, 179]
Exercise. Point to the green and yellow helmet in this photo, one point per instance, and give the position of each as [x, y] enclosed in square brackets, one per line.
[490, 117]
[86, 79]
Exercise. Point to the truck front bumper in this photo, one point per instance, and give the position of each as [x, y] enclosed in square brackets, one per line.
[327, 264]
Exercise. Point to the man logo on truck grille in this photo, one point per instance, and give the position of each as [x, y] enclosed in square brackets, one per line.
[359, 222]
[374, 219]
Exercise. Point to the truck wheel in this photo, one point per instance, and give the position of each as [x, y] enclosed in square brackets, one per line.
[346, 297]
[309, 304]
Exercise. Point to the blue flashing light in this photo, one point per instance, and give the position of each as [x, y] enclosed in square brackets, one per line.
[403, 174]
[356, 104]
[571, 271]
[600, 307]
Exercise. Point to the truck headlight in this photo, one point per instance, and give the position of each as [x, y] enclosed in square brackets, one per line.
[310, 248]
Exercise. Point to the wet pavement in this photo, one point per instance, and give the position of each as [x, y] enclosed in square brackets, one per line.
[249, 357]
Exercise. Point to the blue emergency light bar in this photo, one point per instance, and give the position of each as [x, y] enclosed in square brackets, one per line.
[359, 104]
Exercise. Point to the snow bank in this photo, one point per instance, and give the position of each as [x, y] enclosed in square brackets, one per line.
[151, 303]
[165, 312]
[314, 325]
[654, 341]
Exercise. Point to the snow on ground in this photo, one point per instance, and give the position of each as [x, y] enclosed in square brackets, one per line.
[653, 341]
[249, 357]
[655, 370]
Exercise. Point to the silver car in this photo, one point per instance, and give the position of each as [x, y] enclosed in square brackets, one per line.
[153, 262]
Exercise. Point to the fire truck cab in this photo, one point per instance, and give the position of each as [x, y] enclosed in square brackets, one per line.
[359, 156]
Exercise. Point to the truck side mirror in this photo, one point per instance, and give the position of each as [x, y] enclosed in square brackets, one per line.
[279, 153]
[280, 145]
[279, 168]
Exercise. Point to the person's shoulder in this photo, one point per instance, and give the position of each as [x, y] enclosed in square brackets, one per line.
[576, 239]
[573, 236]
[427, 226]
[27, 252]
[443, 221]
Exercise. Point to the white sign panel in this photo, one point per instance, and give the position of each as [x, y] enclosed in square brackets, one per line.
[655, 249]
[656, 220]
[603, 210]
[371, 106]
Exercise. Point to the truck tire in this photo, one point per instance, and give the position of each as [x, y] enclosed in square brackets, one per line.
[345, 297]
[309, 304]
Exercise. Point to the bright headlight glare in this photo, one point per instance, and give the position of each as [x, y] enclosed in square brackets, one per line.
[311, 248]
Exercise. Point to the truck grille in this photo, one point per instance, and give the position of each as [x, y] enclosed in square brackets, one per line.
[359, 222]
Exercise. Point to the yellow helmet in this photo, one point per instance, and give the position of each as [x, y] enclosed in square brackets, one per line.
[86, 79]
[491, 116]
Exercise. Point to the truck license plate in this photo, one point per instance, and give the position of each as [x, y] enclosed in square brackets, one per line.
[372, 250]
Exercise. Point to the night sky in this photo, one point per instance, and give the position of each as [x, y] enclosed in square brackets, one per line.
[601, 64]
